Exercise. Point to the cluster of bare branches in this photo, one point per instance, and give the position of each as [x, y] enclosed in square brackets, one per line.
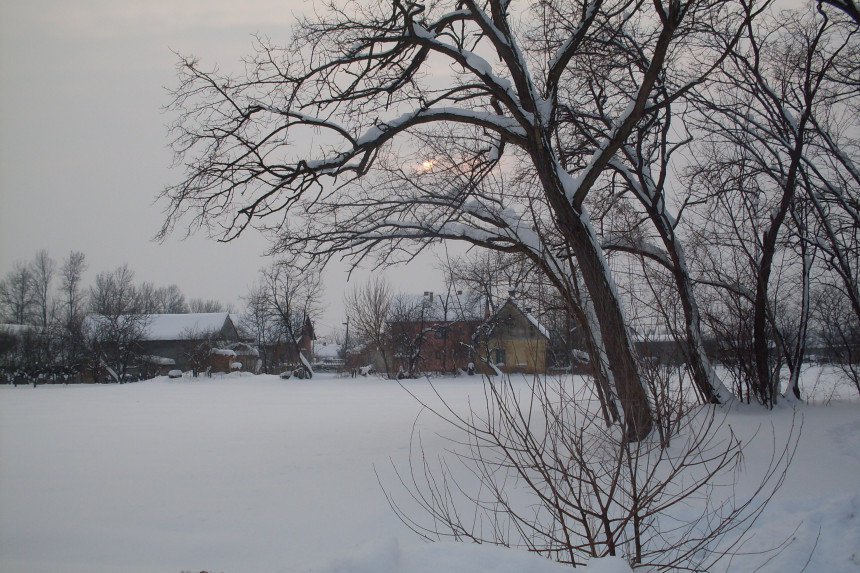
[358, 73]
[777, 193]
[279, 309]
[533, 467]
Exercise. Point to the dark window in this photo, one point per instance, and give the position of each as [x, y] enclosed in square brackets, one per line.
[499, 355]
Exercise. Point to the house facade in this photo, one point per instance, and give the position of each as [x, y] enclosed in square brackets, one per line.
[154, 344]
[186, 339]
[433, 332]
[512, 340]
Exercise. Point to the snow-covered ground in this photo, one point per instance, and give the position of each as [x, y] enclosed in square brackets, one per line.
[258, 474]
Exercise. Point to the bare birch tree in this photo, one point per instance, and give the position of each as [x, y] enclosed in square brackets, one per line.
[42, 270]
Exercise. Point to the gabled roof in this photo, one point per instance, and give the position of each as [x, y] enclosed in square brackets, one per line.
[181, 326]
[486, 329]
[175, 326]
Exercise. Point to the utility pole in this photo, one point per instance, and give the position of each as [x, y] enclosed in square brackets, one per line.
[346, 343]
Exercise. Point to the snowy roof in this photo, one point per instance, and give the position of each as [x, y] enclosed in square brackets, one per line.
[488, 326]
[18, 329]
[174, 326]
[445, 306]
[180, 326]
[331, 350]
[160, 360]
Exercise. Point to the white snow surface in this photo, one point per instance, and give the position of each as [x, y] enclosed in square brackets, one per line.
[253, 473]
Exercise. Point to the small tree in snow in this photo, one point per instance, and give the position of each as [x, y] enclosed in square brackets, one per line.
[116, 325]
[368, 308]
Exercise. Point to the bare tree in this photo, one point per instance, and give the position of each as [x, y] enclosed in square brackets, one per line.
[43, 268]
[172, 300]
[368, 307]
[17, 299]
[358, 74]
[258, 324]
[293, 295]
[163, 300]
[407, 329]
[72, 294]
[117, 324]
[72, 312]
[200, 305]
[776, 147]
[839, 332]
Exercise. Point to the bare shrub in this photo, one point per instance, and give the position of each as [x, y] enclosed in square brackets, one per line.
[534, 466]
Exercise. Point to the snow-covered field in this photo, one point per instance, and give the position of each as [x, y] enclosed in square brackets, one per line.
[258, 474]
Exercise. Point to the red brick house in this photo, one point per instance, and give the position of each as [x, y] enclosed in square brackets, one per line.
[433, 333]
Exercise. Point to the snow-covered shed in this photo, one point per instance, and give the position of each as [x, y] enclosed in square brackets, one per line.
[236, 356]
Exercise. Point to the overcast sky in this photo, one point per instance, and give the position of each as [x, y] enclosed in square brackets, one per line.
[83, 143]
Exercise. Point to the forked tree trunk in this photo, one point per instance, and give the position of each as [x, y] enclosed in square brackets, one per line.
[613, 332]
[613, 335]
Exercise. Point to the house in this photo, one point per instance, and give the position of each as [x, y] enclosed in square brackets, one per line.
[187, 339]
[236, 356]
[512, 340]
[165, 342]
[433, 332]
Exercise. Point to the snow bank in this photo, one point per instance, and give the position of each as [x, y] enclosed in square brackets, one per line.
[248, 473]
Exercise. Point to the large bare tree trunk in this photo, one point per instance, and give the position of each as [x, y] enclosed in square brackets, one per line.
[613, 332]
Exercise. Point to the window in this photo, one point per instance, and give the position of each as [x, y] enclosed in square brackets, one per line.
[499, 355]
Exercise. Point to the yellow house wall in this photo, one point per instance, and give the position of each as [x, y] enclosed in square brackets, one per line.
[526, 356]
[524, 346]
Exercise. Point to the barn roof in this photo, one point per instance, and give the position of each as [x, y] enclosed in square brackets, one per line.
[174, 326]
[182, 326]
